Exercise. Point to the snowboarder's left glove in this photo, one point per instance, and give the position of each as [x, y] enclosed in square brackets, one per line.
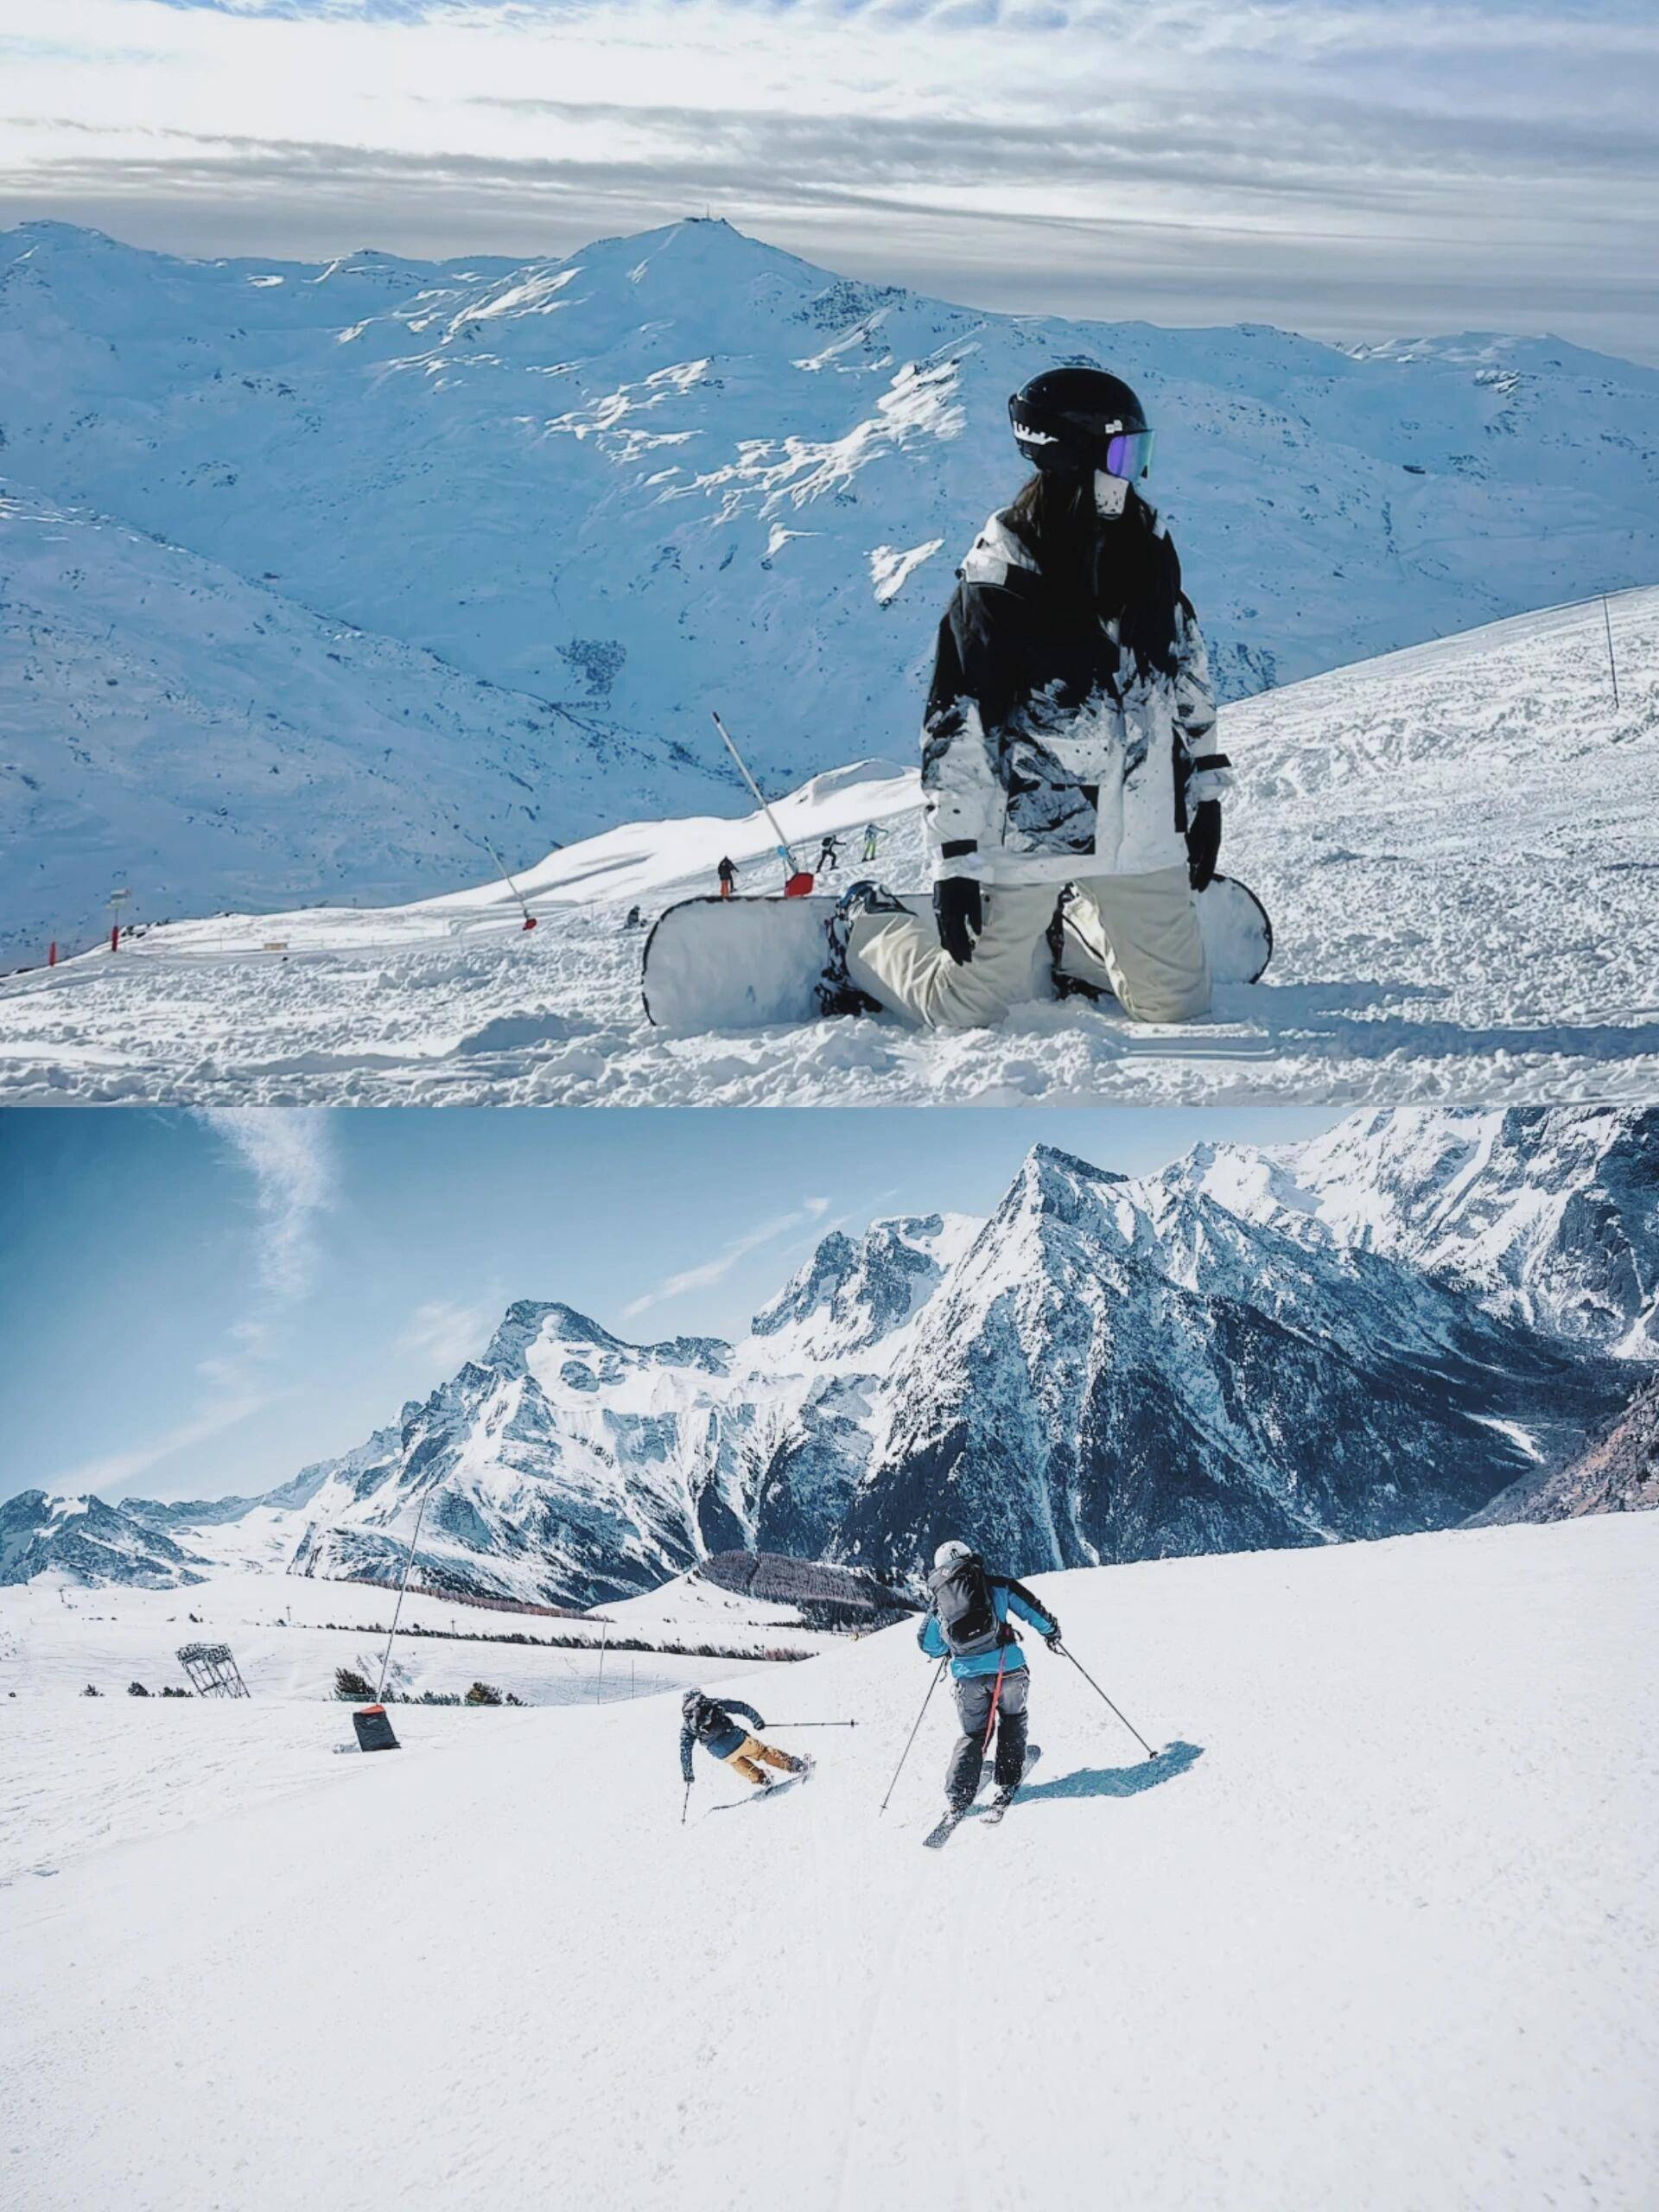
[959, 914]
[1203, 843]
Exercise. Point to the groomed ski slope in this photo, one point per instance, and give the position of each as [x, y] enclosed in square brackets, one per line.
[1457, 844]
[1376, 1929]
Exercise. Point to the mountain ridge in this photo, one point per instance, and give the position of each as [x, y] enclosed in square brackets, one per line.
[686, 469]
[1108, 1368]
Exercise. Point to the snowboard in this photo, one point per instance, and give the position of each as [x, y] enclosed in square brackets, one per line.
[755, 963]
[937, 1837]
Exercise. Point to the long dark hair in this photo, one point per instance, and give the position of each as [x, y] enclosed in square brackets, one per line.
[1127, 569]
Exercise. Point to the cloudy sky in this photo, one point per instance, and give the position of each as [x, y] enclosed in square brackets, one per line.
[1347, 168]
[199, 1304]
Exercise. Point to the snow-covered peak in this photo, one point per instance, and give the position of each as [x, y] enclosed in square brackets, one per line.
[1551, 1214]
[86, 1540]
[853, 1294]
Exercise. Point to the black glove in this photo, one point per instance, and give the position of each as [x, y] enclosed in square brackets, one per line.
[959, 915]
[1203, 843]
[1052, 1639]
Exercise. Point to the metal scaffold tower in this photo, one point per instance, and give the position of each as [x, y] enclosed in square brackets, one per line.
[212, 1671]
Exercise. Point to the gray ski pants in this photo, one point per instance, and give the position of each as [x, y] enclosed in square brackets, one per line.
[974, 1699]
[1135, 935]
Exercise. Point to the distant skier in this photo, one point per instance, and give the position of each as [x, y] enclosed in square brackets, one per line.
[968, 1619]
[1068, 741]
[727, 873]
[705, 1720]
[828, 855]
[872, 841]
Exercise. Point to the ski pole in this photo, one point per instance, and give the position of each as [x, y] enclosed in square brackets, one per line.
[1613, 665]
[684, 1802]
[783, 853]
[1105, 1700]
[914, 1732]
[814, 1724]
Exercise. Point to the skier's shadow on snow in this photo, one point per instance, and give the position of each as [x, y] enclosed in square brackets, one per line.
[1116, 1781]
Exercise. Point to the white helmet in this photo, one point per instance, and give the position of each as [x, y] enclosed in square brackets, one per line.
[948, 1554]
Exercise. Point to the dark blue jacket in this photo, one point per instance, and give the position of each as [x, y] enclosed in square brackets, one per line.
[716, 1730]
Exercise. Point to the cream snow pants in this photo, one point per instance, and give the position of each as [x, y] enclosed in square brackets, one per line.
[1135, 935]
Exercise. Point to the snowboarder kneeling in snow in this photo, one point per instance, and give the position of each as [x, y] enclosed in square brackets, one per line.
[967, 1618]
[1071, 782]
[704, 1721]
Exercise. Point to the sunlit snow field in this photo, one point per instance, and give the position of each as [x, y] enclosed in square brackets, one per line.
[1376, 1926]
[1458, 845]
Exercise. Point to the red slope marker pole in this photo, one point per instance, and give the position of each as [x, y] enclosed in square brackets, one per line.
[798, 884]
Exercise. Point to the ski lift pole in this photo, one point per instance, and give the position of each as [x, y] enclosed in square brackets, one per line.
[409, 1562]
[1105, 1700]
[937, 1675]
[794, 877]
[529, 918]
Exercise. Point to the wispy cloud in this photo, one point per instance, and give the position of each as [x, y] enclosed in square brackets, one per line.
[1338, 165]
[445, 1333]
[290, 1156]
[716, 1268]
[120, 1469]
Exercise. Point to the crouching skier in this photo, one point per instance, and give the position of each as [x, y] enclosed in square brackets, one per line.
[1069, 780]
[705, 1720]
[967, 1618]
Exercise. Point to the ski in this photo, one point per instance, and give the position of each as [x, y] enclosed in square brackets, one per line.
[939, 1836]
[999, 1805]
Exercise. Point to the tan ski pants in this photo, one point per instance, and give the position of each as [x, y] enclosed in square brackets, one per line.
[751, 1754]
[1135, 935]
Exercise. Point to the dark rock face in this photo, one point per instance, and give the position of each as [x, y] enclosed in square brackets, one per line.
[1099, 1387]
[1618, 1473]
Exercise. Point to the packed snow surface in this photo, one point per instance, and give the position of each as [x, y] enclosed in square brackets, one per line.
[1457, 844]
[288, 1634]
[1376, 1926]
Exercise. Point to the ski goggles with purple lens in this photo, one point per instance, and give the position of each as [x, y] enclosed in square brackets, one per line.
[1129, 454]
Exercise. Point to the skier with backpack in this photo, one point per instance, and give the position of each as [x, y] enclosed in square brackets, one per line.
[727, 873]
[1070, 780]
[708, 1721]
[967, 1621]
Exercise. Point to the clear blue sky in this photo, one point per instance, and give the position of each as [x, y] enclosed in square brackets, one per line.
[193, 1306]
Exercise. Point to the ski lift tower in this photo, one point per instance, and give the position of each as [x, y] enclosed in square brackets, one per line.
[212, 1671]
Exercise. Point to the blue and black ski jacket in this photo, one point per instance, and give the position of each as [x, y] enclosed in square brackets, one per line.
[713, 1726]
[1007, 1598]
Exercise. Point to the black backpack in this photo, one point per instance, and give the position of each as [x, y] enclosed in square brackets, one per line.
[708, 1720]
[966, 1610]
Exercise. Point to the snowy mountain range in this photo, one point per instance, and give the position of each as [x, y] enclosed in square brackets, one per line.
[1377, 1332]
[316, 576]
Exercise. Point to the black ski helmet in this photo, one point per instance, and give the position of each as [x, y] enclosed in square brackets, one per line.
[1082, 419]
